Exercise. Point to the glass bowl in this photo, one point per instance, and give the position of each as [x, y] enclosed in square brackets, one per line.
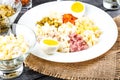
[10, 9]
[4, 24]
[15, 46]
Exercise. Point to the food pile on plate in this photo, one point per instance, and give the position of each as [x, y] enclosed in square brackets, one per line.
[73, 33]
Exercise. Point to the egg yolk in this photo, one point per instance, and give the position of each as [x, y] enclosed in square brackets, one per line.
[77, 7]
[50, 42]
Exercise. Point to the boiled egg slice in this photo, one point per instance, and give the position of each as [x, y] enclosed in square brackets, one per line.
[49, 46]
[78, 8]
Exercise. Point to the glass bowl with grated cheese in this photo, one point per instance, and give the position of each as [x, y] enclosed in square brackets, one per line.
[15, 45]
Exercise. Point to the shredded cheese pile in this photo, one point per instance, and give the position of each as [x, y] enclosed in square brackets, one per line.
[11, 46]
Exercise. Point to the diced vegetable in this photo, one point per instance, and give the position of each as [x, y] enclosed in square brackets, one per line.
[69, 18]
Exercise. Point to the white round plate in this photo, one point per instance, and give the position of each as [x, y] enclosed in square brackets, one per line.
[101, 18]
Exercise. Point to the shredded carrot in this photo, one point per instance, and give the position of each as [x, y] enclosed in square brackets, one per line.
[69, 18]
[25, 2]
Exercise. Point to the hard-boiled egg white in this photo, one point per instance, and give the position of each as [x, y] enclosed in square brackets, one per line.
[49, 46]
[78, 8]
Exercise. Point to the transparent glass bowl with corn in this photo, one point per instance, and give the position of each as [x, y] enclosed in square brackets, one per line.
[10, 9]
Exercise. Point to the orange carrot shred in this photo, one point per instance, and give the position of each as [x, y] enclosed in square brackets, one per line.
[69, 18]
